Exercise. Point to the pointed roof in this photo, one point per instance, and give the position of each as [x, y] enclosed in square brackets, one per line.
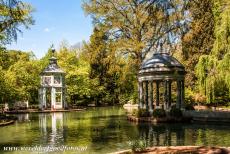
[53, 67]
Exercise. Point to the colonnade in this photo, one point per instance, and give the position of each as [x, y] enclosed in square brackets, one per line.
[147, 101]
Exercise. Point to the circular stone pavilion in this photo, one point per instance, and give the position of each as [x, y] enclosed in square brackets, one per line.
[52, 90]
[160, 69]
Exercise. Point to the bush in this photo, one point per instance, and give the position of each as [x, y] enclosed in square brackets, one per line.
[138, 145]
[140, 113]
[34, 107]
[189, 107]
[175, 112]
[159, 113]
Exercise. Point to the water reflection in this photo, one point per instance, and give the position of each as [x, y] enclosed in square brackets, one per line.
[105, 130]
[159, 135]
[184, 134]
[23, 117]
[52, 128]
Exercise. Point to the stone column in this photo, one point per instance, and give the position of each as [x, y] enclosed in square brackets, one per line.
[157, 94]
[178, 103]
[182, 94]
[166, 95]
[169, 94]
[65, 105]
[40, 97]
[151, 97]
[140, 94]
[44, 98]
[64, 98]
[53, 98]
[146, 96]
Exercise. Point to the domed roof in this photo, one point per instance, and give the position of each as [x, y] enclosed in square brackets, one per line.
[161, 62]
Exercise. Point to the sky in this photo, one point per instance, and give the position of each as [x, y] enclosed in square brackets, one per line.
[55, 21]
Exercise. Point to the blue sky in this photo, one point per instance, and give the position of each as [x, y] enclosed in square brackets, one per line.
[55, 21]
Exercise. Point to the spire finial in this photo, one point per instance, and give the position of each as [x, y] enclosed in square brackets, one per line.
[52, 49]
[161, 47]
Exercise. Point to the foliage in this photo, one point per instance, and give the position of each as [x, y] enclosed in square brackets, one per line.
[213, 70]
[189, 96]
[138, 145]
[175, 112]
[199, 38]
[19, 77]
[189, 107]
[14, 15]
[138, 27]
[110, 69]
[141, 113]
[159, 113]
[104, 70]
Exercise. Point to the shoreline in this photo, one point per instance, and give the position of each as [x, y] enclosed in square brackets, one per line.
[40, 111]
[7, 123]
[179, 149]
[157, 120]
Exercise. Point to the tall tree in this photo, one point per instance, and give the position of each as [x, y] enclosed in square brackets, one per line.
[138, 27]
[199, 38]
[213, 70]
[103, 65]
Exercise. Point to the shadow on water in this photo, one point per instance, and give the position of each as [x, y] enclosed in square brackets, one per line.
[105, 130]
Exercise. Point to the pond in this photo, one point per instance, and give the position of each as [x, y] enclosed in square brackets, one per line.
[104, 130]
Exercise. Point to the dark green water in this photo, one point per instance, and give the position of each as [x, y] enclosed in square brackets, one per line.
[104, 130]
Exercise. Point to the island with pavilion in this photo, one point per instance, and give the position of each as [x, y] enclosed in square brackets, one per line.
[155, 79]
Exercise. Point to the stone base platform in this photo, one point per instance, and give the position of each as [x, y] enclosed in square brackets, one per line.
[157, 120]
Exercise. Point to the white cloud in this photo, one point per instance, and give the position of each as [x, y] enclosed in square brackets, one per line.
[47, 30]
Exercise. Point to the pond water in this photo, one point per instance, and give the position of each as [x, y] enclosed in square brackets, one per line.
[104, 130]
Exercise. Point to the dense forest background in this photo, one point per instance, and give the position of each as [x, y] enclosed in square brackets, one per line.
[104, 69]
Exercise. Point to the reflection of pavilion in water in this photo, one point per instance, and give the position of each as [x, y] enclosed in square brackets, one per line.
[23, 117]
[52, 128]
[162, 135]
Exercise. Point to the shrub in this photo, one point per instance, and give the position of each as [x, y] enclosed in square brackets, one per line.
[141, 113]
[138, 145]
[159, 113]
[189, 107]
[175, 112]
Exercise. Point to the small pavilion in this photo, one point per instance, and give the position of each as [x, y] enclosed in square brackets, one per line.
[160, 71]
[52, 92]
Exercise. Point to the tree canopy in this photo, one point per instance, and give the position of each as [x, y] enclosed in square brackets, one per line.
[14, 15]
[104, 69]
[138, 27]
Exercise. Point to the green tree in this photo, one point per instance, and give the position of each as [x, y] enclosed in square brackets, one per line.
[103, 66]
[14, 14]
[199, 38]
[23, 78]
[213, 70]
[79, 86]
[138, 27]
